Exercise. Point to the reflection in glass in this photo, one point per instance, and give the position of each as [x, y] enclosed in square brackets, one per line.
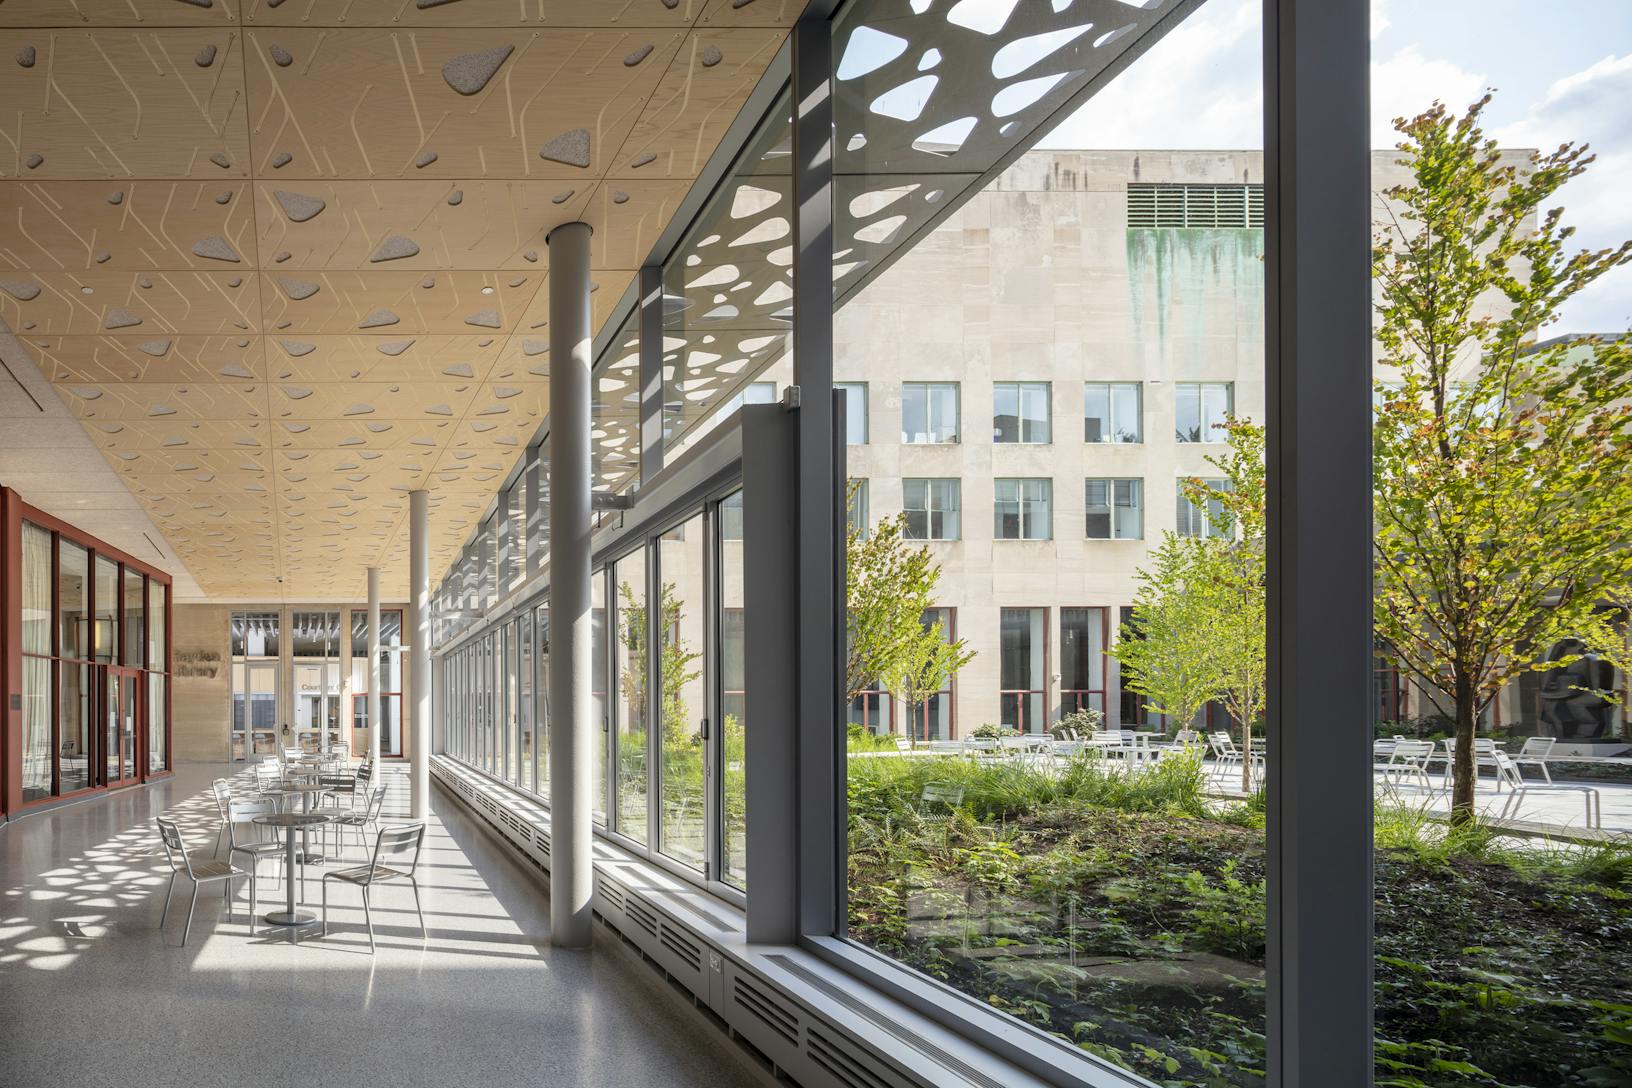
[105, 633]
[134, 641]
[682, 557]
[73, 592]
[733, 702]
[77, 720]
[629, 658]
[600, 706]
[36, 769]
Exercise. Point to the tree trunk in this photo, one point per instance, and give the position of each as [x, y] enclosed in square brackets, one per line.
[1246, 756]
[1463, 777]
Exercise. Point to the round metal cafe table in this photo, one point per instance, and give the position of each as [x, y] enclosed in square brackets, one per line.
[309, 794]
[291, 822]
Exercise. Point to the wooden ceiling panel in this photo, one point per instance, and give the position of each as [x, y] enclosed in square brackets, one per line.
[448, 103]
[117, 103]
[152, 304]
[83, 359]
[121, 224]
[286, 259]
[695, 103]
[396, 303]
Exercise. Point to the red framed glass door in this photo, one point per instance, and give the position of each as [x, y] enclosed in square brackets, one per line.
[120, 695]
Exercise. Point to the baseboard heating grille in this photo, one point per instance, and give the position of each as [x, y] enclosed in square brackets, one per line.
[804, 1046]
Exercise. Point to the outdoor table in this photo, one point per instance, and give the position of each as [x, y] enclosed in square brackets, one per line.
[290, 821]
[309, 795]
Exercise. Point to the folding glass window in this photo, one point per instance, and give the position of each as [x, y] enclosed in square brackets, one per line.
[1021, 412]
[541, 684]
[134, 641]
[390, 653]
[37, 763]
[1114, 509]
[1111, 412]
[631, 700]
[600, 702]
[933, 509]
[1201, 410]
[929, 412]
[1022, 509]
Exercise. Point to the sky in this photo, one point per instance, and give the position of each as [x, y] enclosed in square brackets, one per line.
[1560, 72]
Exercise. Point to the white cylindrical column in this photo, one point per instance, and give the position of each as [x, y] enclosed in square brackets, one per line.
[573, 731]
[375, 722]
[419, 653]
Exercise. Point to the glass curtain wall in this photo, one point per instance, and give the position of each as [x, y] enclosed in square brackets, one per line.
[684, 712]
[255, 686]
[978, 280]
[314, 647]
[631, 702]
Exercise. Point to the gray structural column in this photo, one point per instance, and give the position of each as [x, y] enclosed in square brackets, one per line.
[419, 618]
[1317, 208]
[374, 720]
[820, 477]
[573, 730]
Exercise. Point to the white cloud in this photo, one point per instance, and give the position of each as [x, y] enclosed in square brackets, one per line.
[1199, 87]
[1590, 106]
[1407, 83]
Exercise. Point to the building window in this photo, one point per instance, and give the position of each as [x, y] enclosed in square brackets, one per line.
[1023, 668]
[1021, 413]
[731, 516]
[1131, 710]
[873, 710]
[1082, 660]
[1201, 409]
[1193, 206]
[856, 510]
[1023, 509]
[1204, 519]
[929, 412]
[932, 509]
[1115, 509]
[1111, 412]
[855, 411]
[752, 393]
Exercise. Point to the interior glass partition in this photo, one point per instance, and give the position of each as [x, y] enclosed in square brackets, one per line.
[314, 647]
[254, 668]
[390, 682]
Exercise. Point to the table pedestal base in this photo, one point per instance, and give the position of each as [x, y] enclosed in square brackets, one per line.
[289, 918]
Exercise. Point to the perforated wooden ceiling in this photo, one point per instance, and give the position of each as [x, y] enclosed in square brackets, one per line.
[284, 259]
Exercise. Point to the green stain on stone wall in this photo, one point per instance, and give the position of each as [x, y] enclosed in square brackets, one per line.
[1189, 285]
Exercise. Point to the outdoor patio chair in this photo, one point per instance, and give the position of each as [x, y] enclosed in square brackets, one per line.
[1484, 752]
[259, 842]
[1225, 753]
[351, 785]
[1406, 759]
[388, 845]
[1535, 753]
[903, 744]
[199, 872]
[948, 797]
[1507, 770]
[268, 776]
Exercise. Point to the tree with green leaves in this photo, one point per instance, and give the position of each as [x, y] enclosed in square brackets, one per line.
[889, 586]
[675, 661]
[1503, 466]
[1165, 649]
[1232, 581]
[924, 665]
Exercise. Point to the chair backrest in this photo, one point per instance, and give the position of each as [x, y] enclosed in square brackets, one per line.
[399, 839]
[903, 744]
[1108, 736]
[223, 793]
[1506, 769]
[243, 812]
[174, 846]
[943, 793]
[376, 802]
[1222, 742]
[1186, 736]
[1538, 746]
[1412, 751]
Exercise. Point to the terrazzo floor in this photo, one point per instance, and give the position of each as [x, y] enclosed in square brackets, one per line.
[92, 992]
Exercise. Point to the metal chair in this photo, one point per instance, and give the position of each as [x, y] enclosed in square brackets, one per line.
[1536, 752]
[390, 842]
[268, 776]
[1509, 772]
[223, 794]
[358, 817]
[199, 872]
[262, 846]
[355, 784]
